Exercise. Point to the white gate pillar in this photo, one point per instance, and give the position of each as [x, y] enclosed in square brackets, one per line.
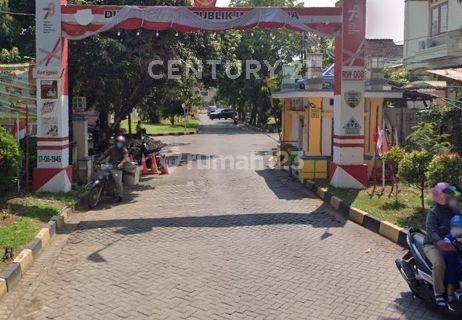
[348, 169]
[53, 172]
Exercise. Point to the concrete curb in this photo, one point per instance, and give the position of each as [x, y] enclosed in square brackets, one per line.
[384, 228]
[12, 274]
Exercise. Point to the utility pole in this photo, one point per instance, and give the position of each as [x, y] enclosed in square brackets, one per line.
[185, 116]
[17, 136]
[27, 148]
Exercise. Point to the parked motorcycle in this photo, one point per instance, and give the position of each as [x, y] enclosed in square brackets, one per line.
[416, 271]
[103, 184]
[149, 148]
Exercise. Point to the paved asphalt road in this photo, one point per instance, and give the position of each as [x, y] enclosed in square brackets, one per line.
[206, 242]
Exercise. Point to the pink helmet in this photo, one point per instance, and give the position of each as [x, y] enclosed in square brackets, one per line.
[438, 193]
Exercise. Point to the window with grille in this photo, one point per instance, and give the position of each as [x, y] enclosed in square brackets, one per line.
[439, 19]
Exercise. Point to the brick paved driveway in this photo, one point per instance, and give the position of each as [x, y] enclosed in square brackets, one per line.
[215, 244]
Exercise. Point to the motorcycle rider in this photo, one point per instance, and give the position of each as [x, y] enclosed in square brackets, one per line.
[438, 224]
[118, 157]
[451, 254]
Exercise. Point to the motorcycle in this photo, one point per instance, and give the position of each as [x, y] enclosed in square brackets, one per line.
[416, 271]
[103, 184]
[150, 148]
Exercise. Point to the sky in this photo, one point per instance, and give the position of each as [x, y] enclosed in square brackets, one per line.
[385, 18]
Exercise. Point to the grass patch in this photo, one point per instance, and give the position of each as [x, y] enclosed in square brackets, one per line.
[404, 213]
[17, 234]
[23, 216]
[164, 127]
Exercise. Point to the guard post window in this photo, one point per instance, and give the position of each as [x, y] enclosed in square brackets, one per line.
[439, 19]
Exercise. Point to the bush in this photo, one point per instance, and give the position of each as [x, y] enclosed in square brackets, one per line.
[425, 137]
[445, 167]
[394, 157]
[413, 168]
[10, 160]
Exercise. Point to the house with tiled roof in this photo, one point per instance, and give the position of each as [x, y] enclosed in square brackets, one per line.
[391, 52]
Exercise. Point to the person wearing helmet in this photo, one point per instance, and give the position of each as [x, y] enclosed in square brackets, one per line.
[450, 251]
[438, 224]
[118, 157]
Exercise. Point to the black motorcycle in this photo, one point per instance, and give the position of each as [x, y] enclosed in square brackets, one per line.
[103, 184]
[149, 148]
[416, 271]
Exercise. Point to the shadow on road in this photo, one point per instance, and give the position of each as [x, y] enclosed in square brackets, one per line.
[406, 304]
[225, 127]
[106, 202]
[181, 159]
[320, 218]
[283, 186]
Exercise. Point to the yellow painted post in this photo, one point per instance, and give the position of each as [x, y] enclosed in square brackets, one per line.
[376, 119]
[315, 127]
[283, 120]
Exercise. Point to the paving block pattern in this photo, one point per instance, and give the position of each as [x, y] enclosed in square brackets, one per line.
[215, 244]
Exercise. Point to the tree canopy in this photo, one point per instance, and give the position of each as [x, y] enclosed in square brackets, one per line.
[17, 32]
[112, 69]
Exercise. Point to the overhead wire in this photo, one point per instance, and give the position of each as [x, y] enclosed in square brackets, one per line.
[17, 13]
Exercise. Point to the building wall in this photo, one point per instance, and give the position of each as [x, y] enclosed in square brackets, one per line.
[455, 15]
[416, 25]
[417, 29]
[318, 133]
[290, 124]
[318, 125]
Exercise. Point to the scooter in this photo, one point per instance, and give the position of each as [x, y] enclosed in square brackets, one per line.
[416, 271]
[103, 184]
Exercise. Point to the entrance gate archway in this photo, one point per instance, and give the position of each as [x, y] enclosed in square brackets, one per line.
[57, 22]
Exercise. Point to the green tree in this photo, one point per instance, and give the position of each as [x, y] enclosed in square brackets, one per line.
[413, 168]
[252, 96]
[10, 160]
[393, 157]
[111, 70]
[398, 76]
[17, 31]
[424, 137]
[446, 120]
[445, 167]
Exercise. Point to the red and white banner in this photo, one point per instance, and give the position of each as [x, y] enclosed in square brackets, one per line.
[382, 143]
[79, 22]
[19, 132]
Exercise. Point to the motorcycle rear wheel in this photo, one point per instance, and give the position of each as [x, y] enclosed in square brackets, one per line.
[94, 196]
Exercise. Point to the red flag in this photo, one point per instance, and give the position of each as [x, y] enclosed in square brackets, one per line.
[205, 3]
[382, 143]
[19, 132]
